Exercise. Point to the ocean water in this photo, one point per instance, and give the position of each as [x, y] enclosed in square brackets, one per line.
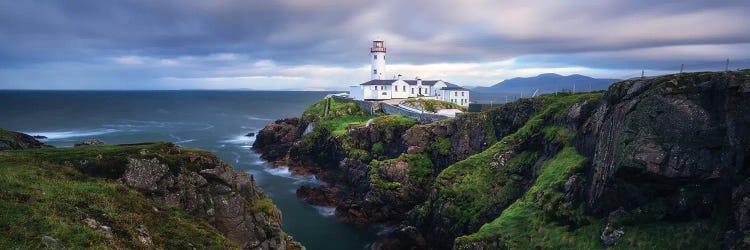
[211, 120]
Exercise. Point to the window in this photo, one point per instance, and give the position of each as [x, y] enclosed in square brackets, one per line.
[404, 88]
[462, 93]
[382, 87]
[412, 91]
[374, 87]
[374, 71]
[375, 57]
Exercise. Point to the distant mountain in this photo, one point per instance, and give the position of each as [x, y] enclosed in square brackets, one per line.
[547, 83]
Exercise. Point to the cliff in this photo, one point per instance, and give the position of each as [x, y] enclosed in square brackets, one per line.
[151, 195]
[14, 140]
[659, 163]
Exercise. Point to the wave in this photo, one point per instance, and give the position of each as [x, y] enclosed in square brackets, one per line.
[56, 135]
[137, 125]
[240, 139]
[185, 141]
[250, 117]
[283, 171]
[325, 211]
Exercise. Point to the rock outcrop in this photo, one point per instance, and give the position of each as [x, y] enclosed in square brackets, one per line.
[275, 139]
[10, 140]
[210, 189]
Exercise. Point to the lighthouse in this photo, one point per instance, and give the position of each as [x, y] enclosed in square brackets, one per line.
[377, 55]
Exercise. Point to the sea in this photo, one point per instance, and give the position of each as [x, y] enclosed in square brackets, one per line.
[216, 121]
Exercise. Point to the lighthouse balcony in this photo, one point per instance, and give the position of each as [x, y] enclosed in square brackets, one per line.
[377, 49]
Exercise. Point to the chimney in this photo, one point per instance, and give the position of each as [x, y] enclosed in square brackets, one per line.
[399, 77]
[419, 81]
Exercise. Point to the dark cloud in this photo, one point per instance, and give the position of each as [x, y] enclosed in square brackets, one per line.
[594, 34]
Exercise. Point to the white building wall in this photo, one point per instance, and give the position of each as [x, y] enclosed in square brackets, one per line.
[436, 88]
[356, 93]
[377, 92]
[460, 97]
[400, 89]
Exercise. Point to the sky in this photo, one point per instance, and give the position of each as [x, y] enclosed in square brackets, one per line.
[317, 45]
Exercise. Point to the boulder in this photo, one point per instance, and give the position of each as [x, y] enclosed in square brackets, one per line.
[89, 142]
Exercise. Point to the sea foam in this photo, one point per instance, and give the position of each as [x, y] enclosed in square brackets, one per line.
[57, 135]
[326, 211]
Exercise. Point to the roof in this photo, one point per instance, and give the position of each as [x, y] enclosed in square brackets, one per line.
[424, 82]
[378, 82]
[451, 86]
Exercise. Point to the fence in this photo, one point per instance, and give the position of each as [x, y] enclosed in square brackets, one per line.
[423, 118]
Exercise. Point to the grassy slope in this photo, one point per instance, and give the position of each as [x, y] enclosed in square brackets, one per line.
[433, 105]
[533, 220]
[495, 177]
[40, 196]
[340, 115]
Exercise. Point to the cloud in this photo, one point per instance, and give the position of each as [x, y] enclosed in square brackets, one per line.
[137, 43]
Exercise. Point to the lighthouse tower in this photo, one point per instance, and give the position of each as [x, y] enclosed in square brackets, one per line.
[377, 55]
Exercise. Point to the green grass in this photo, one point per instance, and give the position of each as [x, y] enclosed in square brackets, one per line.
[45, 198]
[341, 115]
[110, 160]
[338, 126]
[336, 109]
[433, 105]
[388, 121]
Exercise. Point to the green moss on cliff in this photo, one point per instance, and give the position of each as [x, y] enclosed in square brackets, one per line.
[543, 219]
[432, 105]
[525, 224]
[39, 197]
[376, 180]
[493, 179]
[266, 206]
[442, 146]
[534, 221]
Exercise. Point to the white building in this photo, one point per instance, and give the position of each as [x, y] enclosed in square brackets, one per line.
[380, 89]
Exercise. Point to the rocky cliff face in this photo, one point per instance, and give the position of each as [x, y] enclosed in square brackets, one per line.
[667, 156]
[179, 182]
[212, 190]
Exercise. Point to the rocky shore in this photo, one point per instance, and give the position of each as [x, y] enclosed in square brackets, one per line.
[657, 163]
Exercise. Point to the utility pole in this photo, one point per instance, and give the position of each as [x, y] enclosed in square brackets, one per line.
[643, 74]
[726, 67]
[682, 67]
[506, 99]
